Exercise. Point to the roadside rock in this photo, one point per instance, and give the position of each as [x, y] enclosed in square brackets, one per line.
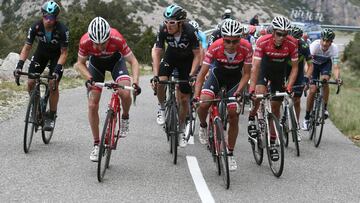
[9, 64]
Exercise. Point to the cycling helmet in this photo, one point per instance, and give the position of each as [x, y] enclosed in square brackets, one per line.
[296, 32]
[263, 31]
[99, 30]
[194, 24]
[246, 29]
[327, 34]
[269, 29]
[227, 14]
[281, 23]
[175, 12]
[50, 8]
[231, 28]
[252, 29]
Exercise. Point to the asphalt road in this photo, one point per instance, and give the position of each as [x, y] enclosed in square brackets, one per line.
[141, 169]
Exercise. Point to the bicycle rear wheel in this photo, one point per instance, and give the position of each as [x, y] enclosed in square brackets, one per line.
[278, 165]
[105, 146]
[222, 153]
[319, 121]
[294, 130]
[257, 148]
[30, 122]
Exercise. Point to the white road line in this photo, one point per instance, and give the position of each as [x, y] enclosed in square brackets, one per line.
[199, 180]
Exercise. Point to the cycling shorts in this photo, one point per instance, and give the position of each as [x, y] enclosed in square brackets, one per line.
[40, 60]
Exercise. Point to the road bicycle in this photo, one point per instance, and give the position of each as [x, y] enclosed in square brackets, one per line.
[317, 115]
[37, 109]
[111, 130]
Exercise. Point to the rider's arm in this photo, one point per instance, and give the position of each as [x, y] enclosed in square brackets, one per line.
[25, 52]
[63, 56]
[156, 56]
[310, 69]
[245, 77]
[200, 79]
[336, 71]
[293, 73]
[81, 66]
[196, 61]
[134, 67]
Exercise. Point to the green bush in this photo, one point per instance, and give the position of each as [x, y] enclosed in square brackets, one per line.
[351, 54]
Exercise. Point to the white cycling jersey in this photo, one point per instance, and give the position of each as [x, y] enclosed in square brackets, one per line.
[320, 56]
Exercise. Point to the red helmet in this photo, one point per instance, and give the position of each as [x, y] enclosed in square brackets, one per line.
[252, 29]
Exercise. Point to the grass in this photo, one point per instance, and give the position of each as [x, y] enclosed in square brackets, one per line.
[344, 108]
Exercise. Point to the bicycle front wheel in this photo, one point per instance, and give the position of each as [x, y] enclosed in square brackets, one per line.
[319, 121]
[30, 122]
[174, 132]
[257, 148]
[276, 164]
[47, 135]
[294, 130]
[222, 153]
[105, 146]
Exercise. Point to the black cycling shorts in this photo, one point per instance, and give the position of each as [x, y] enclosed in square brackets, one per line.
[40, 60]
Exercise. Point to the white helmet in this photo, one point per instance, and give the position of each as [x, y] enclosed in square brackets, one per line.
[99, 30]
[232, 28]
[246, 30]
[281, 23]
[194, 24]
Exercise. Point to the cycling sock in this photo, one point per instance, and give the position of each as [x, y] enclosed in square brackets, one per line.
[203, 125]
[251, 118]
[230, 153]
[52, 114]
[96, 142]
[162, 106]
[125, 116]
[307, 115]
[325, 106]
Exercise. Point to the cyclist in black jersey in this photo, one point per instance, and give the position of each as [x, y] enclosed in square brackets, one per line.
[183, 53]
[304, 56]
[53, 39]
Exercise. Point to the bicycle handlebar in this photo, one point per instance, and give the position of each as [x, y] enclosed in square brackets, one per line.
[38, 76]
[233, 99]
[112, 85]
[331, 82]
[166, 82]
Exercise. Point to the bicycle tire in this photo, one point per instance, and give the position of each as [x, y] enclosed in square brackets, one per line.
[320, 121]
[294, 130]
[285, 126]
[276, 169]
[174, 132]
[105, 148]
[257, 148]
[222, 153]
[242, 103]
[47, 135]
[30, 119]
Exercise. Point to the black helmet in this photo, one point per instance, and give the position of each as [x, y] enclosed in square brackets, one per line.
[50, 8]
[296, 32]
[327, 34]
[175, 12]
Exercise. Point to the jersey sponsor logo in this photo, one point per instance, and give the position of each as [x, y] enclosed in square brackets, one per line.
[29, 33]
[181, 45]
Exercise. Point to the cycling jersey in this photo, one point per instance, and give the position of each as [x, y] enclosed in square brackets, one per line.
[228, 67]
[214, 36]
[202, 38]
[49, 42]
[116, 44]
[178, 47]
[320, 56]
[274, 60]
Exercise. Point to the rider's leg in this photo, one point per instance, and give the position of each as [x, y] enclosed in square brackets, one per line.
[233, 131]
[93, 114]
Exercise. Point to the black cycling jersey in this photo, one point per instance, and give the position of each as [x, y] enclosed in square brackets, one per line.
[304, 54]
[181, 48]
[49, 43]
[214, 36]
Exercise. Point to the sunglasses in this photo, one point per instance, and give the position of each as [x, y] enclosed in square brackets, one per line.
[281, 34]
[229, 41]
[49, 17]
[170, 22]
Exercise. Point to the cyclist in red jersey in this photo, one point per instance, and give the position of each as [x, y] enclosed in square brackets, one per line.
[107, 50]
[231, 56]
[269, 65]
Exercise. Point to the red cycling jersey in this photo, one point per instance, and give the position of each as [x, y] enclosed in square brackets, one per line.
[116, 43]
[265, 46]
[216, 52]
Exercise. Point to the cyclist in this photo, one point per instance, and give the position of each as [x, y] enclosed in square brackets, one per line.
[216, 34]
[53, 39]
[202, 39]
[248, 37]
[231, 57]
[182, 53]
[304, 55]
[325, 57]
[269, 64]
[107, 51]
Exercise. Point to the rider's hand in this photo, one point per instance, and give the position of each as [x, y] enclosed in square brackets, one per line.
[89, 83]
[339, 81]
[289, 90]
[154, 81]
[252, 95]
[18, 69]
[306, 83]
[195, 100]
[192, 80]
[237, 94]
[137, 89]
[58, 71]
